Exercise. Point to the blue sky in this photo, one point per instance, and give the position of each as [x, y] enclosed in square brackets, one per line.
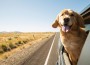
[34, 15]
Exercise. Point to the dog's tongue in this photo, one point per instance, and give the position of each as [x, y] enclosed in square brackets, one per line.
[65, 28]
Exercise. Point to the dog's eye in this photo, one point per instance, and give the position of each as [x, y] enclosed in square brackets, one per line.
[72, 15]
[62, 14]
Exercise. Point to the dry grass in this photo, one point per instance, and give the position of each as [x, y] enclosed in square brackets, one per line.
[10, 41]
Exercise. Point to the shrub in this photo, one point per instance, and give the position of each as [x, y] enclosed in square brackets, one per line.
[12, 46]
[24, 41]
[4, 47]
[9, 38]
[34, 36]
[19, 42]
[8, 48]
[1, 51]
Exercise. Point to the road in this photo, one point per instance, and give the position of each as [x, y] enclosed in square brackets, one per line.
[42, 55]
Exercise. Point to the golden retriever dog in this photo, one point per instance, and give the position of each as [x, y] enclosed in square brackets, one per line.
[72, 34]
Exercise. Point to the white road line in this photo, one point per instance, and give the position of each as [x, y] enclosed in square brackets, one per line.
[46, 61]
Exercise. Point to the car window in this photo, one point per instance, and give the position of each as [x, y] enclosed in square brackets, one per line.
[87, 27]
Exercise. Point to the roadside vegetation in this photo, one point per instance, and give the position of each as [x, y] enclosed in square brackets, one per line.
[9, 41]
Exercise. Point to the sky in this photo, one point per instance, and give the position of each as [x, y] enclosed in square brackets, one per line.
[34, 15]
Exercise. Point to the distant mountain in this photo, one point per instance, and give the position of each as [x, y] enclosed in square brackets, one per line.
[10, 32]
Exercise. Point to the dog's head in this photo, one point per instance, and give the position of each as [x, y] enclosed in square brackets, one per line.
[68, 20]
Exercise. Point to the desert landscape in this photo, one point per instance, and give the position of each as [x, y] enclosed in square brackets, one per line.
[13, 43]
[12, 40]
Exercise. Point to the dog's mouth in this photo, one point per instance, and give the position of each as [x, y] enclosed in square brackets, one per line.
[66, 28]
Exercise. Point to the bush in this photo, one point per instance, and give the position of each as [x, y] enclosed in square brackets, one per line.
[4, 47]
[12, 46]
[17, 44]
[24, 41]
[8, 48]
[1, 51]
[9, 38]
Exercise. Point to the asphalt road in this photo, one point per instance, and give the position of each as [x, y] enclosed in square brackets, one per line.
[53, 57]
[40, 56]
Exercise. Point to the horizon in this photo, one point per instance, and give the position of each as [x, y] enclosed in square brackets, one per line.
[34, 16]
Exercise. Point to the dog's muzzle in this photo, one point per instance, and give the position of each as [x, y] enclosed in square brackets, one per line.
[66, 20]
[65, 26]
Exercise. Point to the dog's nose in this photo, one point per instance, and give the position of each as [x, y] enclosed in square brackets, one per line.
[66, 20]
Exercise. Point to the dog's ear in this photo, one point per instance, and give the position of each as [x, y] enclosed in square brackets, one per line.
[80, 20]
[56, 24]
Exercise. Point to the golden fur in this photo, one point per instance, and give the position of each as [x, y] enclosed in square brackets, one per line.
[72, 34]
